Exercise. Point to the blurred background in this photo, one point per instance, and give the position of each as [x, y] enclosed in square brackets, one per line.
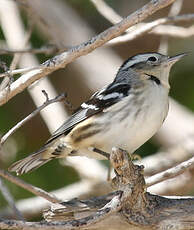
[64, 23]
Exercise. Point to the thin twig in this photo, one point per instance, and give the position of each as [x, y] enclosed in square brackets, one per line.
[33, 206]
[48, 50]
[35, 190]
[18, 71]
[8, 197]
[113, 206]
[30, 116]
[107, 11]
[153, 27]
[174, 31]
[170, 173]
[17, 56]
[63, 59]
[174, 11]
[8, 78]
[172, 156]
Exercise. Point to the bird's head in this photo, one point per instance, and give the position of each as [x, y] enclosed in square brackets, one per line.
[151, 65]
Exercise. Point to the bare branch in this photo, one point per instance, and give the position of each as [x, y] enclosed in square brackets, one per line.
[128, 208]
[154, 27]
[33, 114]
[8, 78]
[17, 56]
[174, 31]
[174, 11]
[47, 49]
[170, 173]
[18, 71]
[35, 190]
[63, 59]
[107, 11]
[32, 207]
[181, 184]
[111, 207]
[8, 197]
[169, 157]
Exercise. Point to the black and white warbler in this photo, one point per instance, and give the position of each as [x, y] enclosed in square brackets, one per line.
[124, 114]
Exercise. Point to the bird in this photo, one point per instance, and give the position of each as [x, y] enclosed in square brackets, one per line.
[124, 114]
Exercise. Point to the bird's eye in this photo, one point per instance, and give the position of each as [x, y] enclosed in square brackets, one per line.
[153, 59]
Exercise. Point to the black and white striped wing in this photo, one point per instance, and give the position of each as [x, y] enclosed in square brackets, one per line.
[99, 101]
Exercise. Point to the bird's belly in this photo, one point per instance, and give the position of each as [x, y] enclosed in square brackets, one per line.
[128, 126]
[134, 129]
[130, 135]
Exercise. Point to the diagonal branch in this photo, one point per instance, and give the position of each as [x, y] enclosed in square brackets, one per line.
[170, 173]
[107, 11]
[130, 207]
[30, 116]
[60, 61]
[35, 190]
[155, 27]
[8, 197]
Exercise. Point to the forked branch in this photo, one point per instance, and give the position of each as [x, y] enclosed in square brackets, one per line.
[60, 61]
[128, 207]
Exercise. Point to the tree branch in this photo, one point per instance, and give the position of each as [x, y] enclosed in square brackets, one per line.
[47, 49]
[107, 11]
[170, 173]
[155, 27]
[30, 116]
[8, 197]
[128, 208]
[60, 61]
[35, 190]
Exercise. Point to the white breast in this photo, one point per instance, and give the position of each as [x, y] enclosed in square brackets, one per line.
[131, 122]
[142, 118]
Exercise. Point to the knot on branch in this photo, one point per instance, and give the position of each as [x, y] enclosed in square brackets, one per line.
[129, 202]
[129, 183]
[129, 178]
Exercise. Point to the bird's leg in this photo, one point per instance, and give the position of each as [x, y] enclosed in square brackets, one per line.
[104, 154]
[107, 155]
[134, 157]
[109, 173]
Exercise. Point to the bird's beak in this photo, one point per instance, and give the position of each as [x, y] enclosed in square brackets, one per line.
[172, 60]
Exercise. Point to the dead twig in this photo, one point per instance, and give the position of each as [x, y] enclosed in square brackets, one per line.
[33, 114]
[60, 61]
[8, 79]
[128, 208]
[35, 190]
[107, 11]
[155, 27]
[170, 173]
[48, 50]
[8, 197]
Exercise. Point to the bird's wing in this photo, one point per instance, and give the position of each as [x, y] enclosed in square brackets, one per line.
[99, 101]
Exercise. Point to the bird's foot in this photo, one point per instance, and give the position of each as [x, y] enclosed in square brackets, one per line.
[101, 152]
[134, 157]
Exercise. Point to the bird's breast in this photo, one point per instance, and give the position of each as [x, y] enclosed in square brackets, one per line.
[136, 119]
[127, 124]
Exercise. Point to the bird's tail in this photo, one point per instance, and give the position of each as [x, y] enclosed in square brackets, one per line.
[31, 162]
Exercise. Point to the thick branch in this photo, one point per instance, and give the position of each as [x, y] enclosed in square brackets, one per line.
[128, 208]
[63, 59]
